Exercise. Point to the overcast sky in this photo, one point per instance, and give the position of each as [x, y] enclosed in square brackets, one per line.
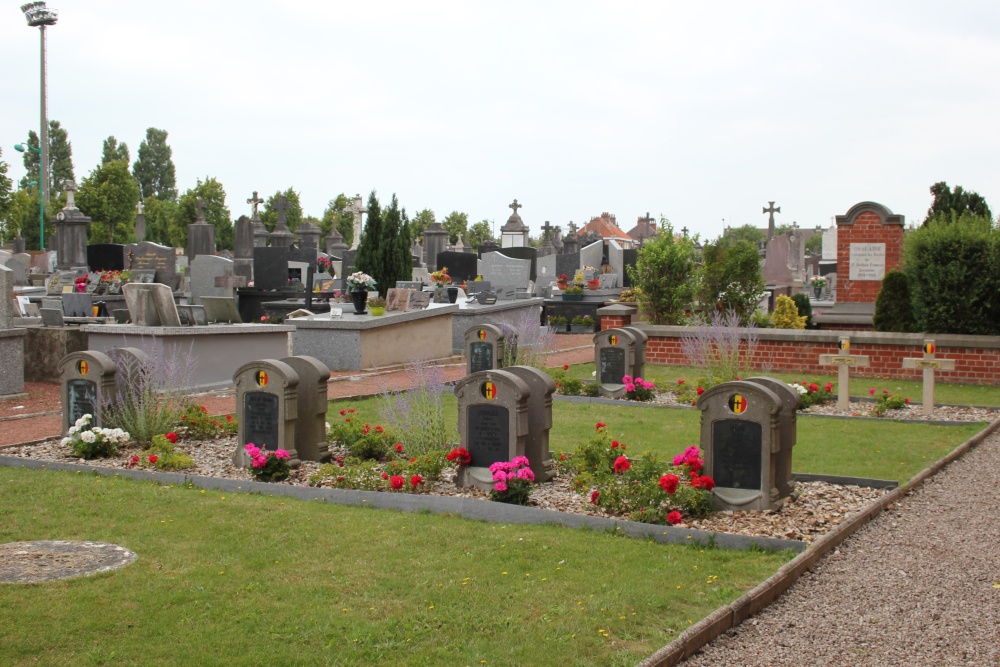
[699, 111]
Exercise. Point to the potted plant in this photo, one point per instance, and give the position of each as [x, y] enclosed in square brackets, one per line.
[818, 283]
[442, 285]
[358, 284]
[558, 323]
[562, 282]
[323, 265]
[593, 283]
[573, 293]
[582, 324]
[376, 306]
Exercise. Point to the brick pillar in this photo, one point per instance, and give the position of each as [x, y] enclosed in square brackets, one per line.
[871, 236]
[616, 315]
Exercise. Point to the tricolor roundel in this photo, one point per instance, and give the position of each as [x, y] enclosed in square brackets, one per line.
[738, 403]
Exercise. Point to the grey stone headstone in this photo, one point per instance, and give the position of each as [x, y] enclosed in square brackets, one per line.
[78, 305]
[788, 418]
[506, 274]
[310, 425]
[58, 280]
[608, 280]
[775, 269]
[592, 255]
[204, 270]
[151, 305]
[221, 310]
[148, 256]
[52, 317]
[243, 242]
[88, 386]
[267, 403]
[616, 257]
[270, 268]
[7, 312]
[614, 358]
[536, 445]
[484, 348]
[19, 274]
[546, 268]
[526, 253]
[568, 264]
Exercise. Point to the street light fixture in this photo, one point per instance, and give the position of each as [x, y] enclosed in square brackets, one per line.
[38, 15]
[41, 202]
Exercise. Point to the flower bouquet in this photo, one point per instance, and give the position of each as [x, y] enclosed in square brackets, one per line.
[441, 277]
[268, 466]
[360, 282]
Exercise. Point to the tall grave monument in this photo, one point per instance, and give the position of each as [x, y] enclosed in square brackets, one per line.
[71, 234]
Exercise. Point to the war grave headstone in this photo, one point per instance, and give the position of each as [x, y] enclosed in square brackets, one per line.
[592, 255]
[106, 257]
[506, 274]
[151, 305]
[493, 423]
[788, 427]
[526, 253]
[205, 271]
[536, 444]
[484, 348]
[639, 368]
[929, 363]
[152, 257]
[270, 268]
[844, 361]
[614, 358]
[267, 401]
[310, 426]
[741, 439]
[19, 273]
[88, 386]
[78, 305]
[221, 310]
[462, 266]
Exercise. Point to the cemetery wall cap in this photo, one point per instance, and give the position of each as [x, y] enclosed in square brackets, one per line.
[888, 217]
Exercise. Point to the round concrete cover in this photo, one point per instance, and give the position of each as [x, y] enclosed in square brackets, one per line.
[35, 562]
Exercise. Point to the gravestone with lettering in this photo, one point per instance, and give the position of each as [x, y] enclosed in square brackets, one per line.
[506, 274]
[928, 363]
[267, 401]
[614, 358]
[536, 444]
[270, 268]
[484, 348]
[106, 257]
[741, 440]
[70, 239]
[310, 426]
[148, 256]
[205, 270]
[87, 380]
[526, 253]
[151, 305]
[493, 423]
[59, 280]
[869, 244]
[461, 265]
[788, 425]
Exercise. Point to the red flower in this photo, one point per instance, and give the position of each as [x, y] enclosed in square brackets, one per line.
[350, 409]
[674, 518]
[813, 387]
[622, 464]
[885, 391]
[135, 459]
[906, 400]
[565, 367]
[601, 425]
[399, 447]
[348, 420]
[397, 482]
[203, 409]
[614, 444]
[385, 475]
[215, 423]
[184, 417]
[562, 457]
[343, 412]
[171, 437]
[379, 429]
[461, 454]
[416, 480]
[152, 458]
[828, 387]
[365, 430]
[703, 482]
[699, 391]
[669, 483]
[413, 460]
[680, 381]
[229, 418]
[871, 392]
[595, 497]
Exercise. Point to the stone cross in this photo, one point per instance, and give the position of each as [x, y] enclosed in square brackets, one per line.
[771, 210]
[929, 364]
[572, 228]
[69, 187]
[684, 231]
[546, 230]
[138, 207]
[254, 202]
[515, 206]
[201, 206]
[356, 209]
[844, 360]
[282, 205]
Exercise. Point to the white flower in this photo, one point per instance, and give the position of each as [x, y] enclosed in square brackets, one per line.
[66, 441]
[799, 388]
[88, 437]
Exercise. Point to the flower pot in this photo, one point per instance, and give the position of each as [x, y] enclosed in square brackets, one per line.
[572, 297]
[360, 299]
[562, 286]
[817, 290]
[452, 294]
[581, 328]
[377, 311]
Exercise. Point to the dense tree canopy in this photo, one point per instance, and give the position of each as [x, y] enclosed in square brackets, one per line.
[60, 159]
[955, 201]
[6, 198]
[160, 215]
[293, 212]
[456, 223]
[216, 213]
[480, 233]
[745, 233]
[109, 195]
[112, 150]
[421, 221]
[154, 168]
[368, 259]
[335, 215]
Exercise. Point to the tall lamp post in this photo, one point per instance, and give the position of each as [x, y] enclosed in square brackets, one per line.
[39, 16]
[41, 200]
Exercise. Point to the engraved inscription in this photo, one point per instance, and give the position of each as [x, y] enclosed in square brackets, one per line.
[260, 419]
[612, 365]
[82, 396]
[867, 261]
[480, 357]
[489, 434]
[736, 454]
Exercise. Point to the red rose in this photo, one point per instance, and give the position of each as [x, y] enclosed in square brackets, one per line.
[135, 459]
[172, 437]
[622, 464]
[385, 475]
[399, 447]
[229, 418]
[379, 429]
[153, 458]
[413, 460]
[614, 444]
[669, 483]
[416, 480]
[595, 497]
[350, 409]
[680, 381]
[906, 400]
[558, 384]
[343, 412]
[562, 457]
[397, 482]
[828, 387]
[703, 482]
[813, 387]
[674, 518]
[699, 391]
[565, 367]
[695, 465]
[601, 425]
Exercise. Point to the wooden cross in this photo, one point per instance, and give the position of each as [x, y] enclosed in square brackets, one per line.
[254, 202]
[844, 360]
[929, 364]
[201, 205]
[771, 210]
[515, 206]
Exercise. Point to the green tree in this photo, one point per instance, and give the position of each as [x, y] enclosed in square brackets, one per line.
[154, 168]
[25, 216]
[114, 151]
[814, 244]
[421, 221]
[456, 223]
[730, 277]
[335, 216]
[664, 273]
[367, 258]
[60, 159]
[108, 195]
[293, 212]
[745, 233]
[22, 210]
[480, 233]
[948, 201]
[6, 199]
[894, 306]
[394, 258]
[216, 213]
[161, 216]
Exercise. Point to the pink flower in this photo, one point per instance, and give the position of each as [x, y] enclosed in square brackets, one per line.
[629, 388]
[520, 461]
[871, 392]
[526, 475]
[674, 518]
[679, 460]
[626, 379]
[500, 486]
[282, 454]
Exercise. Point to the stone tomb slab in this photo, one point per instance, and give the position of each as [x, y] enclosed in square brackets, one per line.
[87, 381]
[536, 444]
[267, 402]
[484, 348]
[310, 427]
[151, 305]
[221, 310]
[204, 271]
[741, 439]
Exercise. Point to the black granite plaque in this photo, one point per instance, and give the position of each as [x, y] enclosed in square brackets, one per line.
[82, 396]
[629, 257]
[461, 265]
[489, 434]
[612, 365]
[106, 257]
[736, 454]
[270, 268]
[568, 264]
[260, 419]
[480, 357]
[159, 260]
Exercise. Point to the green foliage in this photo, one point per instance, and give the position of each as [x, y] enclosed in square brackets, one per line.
[60, 156]
[953, 266]
[805, 308]
[150, 398]
[6, 199]
[335, 216]
[480, 233]
[421, 221]
[23, 216]
[814, 244]
[167, 457]
[201, 425]
[664, 272]
[112, 150]
[154, 168]
[363, 440]
[160, 215]
[745, 233]
[786, 314]
[216, 213]
[762, 320]
[456, 223]
[109, 195]
[91, 442]
[894, 305]
[885, 402]
[293, 210]
[367, 257]
[371, 475]
[395, 259]
[949, 203]
[730, 277]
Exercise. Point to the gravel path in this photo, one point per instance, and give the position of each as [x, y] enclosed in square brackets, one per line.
[918, 586]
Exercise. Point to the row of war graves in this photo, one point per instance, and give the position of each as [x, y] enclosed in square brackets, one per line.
[748, 427]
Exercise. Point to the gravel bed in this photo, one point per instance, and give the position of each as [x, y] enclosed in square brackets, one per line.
[918, 586]
[815, 509]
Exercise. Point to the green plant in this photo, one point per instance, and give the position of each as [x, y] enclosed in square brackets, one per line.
[664, 274]
[762, 320]
[638, 389]
[418, 415]
[150, 391]
[786, 314]
[818, 282]
[730, 277]
[362, 440]
[199, 424]
[376, 302]
[886, 401]
[163, 455]
[583, 321]
[810, 393]
[88, 442]
[558, 321]
[894, 305]
[399, 474]
[512, 481]
[804, 305]
[573, 289]
[591, 389]
[266, 465]
[720, 344]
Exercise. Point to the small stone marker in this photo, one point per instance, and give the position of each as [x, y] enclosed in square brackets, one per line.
[267, 401]
[493, 423]
[844, 361]
[484, 347]
[221, 310]
[929, 364]
[614, 358]
[310, 427]
[88, 386]
[741, 438]
[536, 445]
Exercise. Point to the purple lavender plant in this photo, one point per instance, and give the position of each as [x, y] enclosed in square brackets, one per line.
[418, 413]
[722, 344]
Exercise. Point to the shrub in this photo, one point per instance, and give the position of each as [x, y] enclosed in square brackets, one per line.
[664, 276]
[810, 393]
[369, 475]
[786, 314]
[163, 455]
[805, 308]
[267, 466]
[418, 413]
[730, 277]
[638, 389]
[361, 439]
[150, 392]
[894, 306]
[526, 343]
[512, 481]
[720, 344]
[93, 442]
[199, 424]
[583, 321]
[886, 401]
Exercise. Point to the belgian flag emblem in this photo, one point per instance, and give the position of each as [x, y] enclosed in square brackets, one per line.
[738, 403]
[261, 378]
[482, 334]
[844, 345]
[82, 367]
[488, 390]
[929, 348]
[613, 339]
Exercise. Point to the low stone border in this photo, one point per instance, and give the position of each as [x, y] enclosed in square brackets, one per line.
[704, 631]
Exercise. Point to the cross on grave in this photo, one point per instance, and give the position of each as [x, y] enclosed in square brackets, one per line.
[356, 210]
[69, 187]
[684, 231]
[929, 364]
[228, 279]
[771, 210]
[201, 206]
[546, 229]
[844, 361]
[515, 206]
[254, 202]
[572, 228]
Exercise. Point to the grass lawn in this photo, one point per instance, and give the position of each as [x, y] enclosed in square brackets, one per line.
[227, 579]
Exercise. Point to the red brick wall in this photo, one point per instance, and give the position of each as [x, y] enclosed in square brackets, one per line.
[974, 364]
[868, 227]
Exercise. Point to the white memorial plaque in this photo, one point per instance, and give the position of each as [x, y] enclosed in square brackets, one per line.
[867, 261]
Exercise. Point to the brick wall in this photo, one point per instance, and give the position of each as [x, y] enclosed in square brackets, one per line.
[867, 227]
[977, 358]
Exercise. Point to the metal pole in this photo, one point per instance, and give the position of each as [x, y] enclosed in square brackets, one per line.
[43, 157]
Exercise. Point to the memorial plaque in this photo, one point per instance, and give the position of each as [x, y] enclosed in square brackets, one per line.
[260, 415]
[461, 265]
[148, 257]
[81, 396]
[489, 434]
[480, 357]
[612, 365]
[867, 261]
[419, 300]
[270, 268]
[736, 452]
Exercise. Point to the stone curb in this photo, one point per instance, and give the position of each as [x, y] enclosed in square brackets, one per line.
[729, 616]
[469, 508]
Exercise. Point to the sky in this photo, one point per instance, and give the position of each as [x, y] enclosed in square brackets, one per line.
[701, 112]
